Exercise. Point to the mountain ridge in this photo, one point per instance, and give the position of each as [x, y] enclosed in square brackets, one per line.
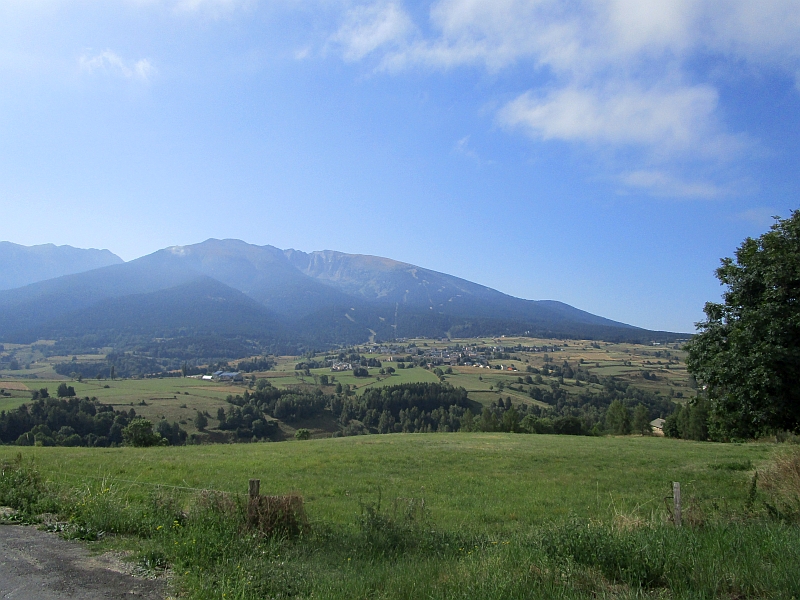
[22, 265]
[287, 296]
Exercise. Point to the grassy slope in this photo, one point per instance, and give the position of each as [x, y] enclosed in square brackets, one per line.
[163, 397]
[482, 481]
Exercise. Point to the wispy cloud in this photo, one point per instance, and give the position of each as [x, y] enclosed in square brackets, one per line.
[110, 63]
[663, 184]
[368, 28]
[664, 119]
[616, 73]
[215, 8]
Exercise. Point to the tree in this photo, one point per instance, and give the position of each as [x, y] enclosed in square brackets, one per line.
[618, 418]
[139, 433]
[746, 356]
[200, 421]
[467, 421]
[641, 420]
[511, 421]
[65, 391]
[302, 434]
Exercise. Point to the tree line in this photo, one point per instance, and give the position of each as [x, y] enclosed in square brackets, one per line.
[48, 421]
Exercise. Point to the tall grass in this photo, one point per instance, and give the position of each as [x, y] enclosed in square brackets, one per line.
[781, 481]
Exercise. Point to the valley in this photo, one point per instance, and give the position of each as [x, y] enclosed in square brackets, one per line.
[519, 370]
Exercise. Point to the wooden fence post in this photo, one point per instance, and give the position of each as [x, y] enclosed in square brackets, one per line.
[252, 501]
[676, 499]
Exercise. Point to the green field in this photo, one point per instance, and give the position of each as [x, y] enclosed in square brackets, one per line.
[504, 516]
[12, 403]
[174, 399]
[486, 481]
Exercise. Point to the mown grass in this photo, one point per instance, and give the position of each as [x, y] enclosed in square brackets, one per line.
[430, 516]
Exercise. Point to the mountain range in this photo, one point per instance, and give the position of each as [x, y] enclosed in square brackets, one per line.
[21, 265]
[268, 297]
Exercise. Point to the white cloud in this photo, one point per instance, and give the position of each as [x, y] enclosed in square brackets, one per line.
[462, 147]
[663, 119]
[620, 74]
[368, 28]
[215, 8]
[110, 63]
[597, 34]
[660, 183]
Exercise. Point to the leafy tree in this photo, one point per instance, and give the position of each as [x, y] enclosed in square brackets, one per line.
[139, 433]
[746, 356]
[467, 421]
[172, 433]
[200, 421]
[65, 391]
[511, 421]
[567, 426]
[690, 421]
[641, 420]
[302, 434]
[618, 418]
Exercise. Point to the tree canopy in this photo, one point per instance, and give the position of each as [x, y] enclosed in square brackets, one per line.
[746, 356]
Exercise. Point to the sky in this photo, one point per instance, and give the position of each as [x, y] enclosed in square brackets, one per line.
[604, 153]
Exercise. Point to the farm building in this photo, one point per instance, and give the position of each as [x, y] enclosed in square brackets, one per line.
[227, 376]
[658, 426]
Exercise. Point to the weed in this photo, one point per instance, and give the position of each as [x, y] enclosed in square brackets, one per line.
[23, 489]
[283, 516]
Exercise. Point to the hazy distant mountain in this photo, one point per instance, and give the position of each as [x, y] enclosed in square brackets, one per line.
[23, 265]
[228, 288]
[387, 281]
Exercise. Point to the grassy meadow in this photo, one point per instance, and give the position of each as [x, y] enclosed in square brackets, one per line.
[491, 481]
[482, 515]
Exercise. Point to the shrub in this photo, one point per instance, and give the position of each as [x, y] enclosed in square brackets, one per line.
[282, 516]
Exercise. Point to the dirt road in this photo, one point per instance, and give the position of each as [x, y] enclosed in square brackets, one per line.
[35, 565]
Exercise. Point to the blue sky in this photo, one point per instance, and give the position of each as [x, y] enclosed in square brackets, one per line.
[605, 153]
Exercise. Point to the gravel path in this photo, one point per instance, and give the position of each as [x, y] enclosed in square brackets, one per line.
[36, 565]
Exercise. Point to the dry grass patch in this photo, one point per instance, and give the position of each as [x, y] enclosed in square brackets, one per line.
[780, 480]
